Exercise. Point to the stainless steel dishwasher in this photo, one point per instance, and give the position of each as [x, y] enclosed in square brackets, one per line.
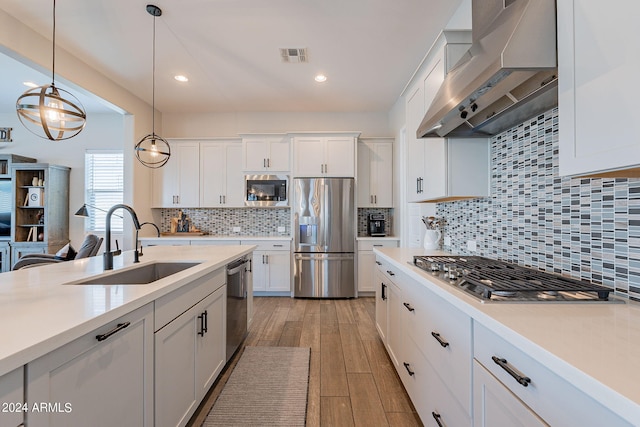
[237, 276]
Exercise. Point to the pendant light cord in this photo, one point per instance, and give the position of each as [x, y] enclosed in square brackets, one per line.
[53, 61]
[153, 81]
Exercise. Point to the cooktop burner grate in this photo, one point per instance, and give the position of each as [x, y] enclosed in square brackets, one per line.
[486, 277]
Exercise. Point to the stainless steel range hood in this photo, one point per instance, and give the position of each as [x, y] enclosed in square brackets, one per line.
[508, 75]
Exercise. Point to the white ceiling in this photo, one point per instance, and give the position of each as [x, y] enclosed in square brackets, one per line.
[229, 49]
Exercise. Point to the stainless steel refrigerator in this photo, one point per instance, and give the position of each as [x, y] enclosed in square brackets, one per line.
[324, 224]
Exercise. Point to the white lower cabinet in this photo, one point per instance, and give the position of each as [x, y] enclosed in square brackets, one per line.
[395, 330]
[12, 398]
[271, 265]
[190, 349]
[550, 397]
[381, 302]
[367, 261]
[104, 378]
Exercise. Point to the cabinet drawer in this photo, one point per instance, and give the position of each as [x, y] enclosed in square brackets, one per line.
[553, 399]
[12, 395]
[431, 398]
[444, 335]
[170, 306]
[269, 245]
[368, 245]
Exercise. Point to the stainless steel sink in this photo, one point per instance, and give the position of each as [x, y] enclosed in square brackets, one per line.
[142, 275]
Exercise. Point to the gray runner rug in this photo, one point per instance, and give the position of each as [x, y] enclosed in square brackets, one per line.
[268, 387]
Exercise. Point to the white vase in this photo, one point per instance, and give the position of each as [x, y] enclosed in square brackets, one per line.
[432, 239]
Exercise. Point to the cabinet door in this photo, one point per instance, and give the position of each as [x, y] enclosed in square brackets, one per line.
[365, 191]
[279, 155]
[340, 157]
[598, 88]
[415, 146]
[260, 271]
[176, 392]
[188, 156]
[212, 164]
[394, 323]
[366, 269]
[12, 395]
[308, 156]
[210, 343]
[254, 154]
[279, 266]
[495, 405]
[382, 174]
[381, 305]
[234, 178]
[165, 184]
[435, 156]
[95, 382]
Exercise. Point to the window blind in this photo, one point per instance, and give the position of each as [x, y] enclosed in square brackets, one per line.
[104, 188]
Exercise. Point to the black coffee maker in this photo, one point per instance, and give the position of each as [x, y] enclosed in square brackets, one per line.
[375, 225]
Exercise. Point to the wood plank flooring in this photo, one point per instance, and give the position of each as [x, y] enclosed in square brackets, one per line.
[351, 381]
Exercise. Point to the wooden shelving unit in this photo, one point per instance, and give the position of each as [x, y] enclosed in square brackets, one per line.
[40, 220]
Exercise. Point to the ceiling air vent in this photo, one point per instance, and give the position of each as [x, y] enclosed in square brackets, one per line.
[293, 55]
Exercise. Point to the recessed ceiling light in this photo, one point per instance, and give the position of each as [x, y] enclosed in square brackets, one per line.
[30, 84]
[321, 78]
[181, 78]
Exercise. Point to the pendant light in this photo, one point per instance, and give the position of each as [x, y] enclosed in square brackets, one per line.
[153, 151]
[50, 112]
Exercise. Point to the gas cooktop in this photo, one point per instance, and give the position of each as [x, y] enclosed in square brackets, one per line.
[499, 281]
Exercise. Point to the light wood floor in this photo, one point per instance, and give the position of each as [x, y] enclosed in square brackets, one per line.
[351, 382]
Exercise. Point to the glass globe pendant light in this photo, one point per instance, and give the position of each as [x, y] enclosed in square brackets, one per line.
[50, 112]
[153, 151]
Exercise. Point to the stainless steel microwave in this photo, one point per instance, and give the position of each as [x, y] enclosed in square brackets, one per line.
[266, 190]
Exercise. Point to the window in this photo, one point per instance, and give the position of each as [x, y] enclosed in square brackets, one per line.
[104, 188]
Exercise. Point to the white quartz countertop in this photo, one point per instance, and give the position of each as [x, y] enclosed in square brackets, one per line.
[595, 347]
[39, 312]
[214, 237]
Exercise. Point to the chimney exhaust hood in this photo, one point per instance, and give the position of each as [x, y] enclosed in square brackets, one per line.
[508, 75]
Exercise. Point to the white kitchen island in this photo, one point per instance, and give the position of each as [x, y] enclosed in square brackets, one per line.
[572, 364]
[53, 332]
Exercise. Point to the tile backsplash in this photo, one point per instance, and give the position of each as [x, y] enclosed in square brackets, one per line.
[586, 228]
[251, 221]
[363, 217]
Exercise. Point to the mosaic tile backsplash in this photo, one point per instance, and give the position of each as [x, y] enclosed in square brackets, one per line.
[363, 217]
[586, 228]
[252, 221]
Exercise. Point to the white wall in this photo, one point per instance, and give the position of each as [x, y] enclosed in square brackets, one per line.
[232, 124]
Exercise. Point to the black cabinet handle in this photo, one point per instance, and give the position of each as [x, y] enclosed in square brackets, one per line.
[436, 416]
[408, 306]
[406, 366]
[522, 380]
[440, 340]
[383, 291]
[378, 263]
[203, 323]
[390, 273]
[118, 328]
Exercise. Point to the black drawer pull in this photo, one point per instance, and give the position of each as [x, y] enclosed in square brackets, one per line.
[118, 328]
[378, 263]
[522, 380]
[436, 416]
[391, 273]
[406, 366]
[408, 306]
[383, 291]
[442, 342]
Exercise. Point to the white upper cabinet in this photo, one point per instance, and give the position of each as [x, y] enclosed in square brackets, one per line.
[327, 155]
[176, 184]
[598, 63]
[440, 169]
[266, 153]
[375, 173]
[221, 179]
